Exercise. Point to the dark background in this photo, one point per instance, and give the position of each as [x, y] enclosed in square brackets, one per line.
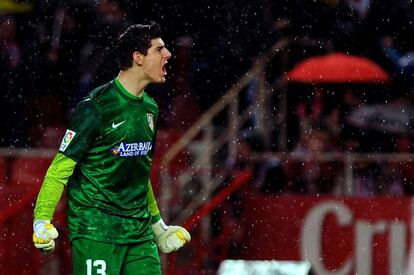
[213, 42]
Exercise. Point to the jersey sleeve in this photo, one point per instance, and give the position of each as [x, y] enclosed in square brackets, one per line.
[83, 129]
[55, 180]
[152, 204]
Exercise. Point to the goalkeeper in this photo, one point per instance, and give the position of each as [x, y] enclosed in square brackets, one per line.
[104, 160]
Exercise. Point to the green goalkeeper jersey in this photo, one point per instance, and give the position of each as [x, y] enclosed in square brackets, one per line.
[111, 138]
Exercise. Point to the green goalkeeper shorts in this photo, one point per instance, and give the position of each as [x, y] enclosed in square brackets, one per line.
[92, 257]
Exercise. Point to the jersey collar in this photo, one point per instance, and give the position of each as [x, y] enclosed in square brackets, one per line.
[124, 91]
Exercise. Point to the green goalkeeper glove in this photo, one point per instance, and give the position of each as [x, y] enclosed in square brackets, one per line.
[44, 234]
[170, 238]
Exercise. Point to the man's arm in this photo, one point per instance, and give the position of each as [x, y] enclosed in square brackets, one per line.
[50, 193]
[152, 204]
[168, 238]
[83, 128]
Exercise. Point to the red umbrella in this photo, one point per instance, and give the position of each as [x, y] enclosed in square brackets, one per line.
[337, 68]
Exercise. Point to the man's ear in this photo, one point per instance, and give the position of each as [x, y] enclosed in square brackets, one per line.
[138, 58]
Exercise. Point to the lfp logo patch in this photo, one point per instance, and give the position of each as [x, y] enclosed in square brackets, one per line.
[69, 135]
[132, 149]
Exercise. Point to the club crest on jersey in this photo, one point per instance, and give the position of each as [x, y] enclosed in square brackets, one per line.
[67, 138]
[132, 149]
[150, 118]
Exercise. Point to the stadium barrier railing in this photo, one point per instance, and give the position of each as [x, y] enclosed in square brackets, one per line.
[209, 245]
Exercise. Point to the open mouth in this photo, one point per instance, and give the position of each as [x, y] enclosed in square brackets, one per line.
[164, 68]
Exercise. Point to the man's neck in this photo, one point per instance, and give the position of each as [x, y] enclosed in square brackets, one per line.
[132, 82]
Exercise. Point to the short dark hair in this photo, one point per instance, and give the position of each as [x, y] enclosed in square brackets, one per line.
[137, 38]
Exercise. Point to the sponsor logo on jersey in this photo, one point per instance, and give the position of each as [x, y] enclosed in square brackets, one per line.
[67, 138]
[132, 149]
[150, 118]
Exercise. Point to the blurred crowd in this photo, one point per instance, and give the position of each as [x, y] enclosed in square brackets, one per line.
[52, 53]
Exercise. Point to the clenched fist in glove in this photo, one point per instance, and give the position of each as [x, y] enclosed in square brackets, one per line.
[44, 234]
[170, 238]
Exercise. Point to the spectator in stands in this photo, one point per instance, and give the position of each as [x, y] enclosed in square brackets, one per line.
[361, 7]
[268, 174]
[403, 62]
[11, 115]
[98, 53]
[10, 48]
[181, 107]
[315, 176]
[349, 136]
[309, 112]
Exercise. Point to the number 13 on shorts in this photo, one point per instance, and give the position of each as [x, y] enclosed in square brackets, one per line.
[95, 267]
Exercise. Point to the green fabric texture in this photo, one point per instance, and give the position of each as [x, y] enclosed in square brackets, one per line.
[111, 136]
[53, 185]
[56, 179]
[93, 257]
[124, 91]
[105, 160]
[152, 204]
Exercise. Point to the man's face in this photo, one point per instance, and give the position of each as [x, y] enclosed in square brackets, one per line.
[154, 63]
